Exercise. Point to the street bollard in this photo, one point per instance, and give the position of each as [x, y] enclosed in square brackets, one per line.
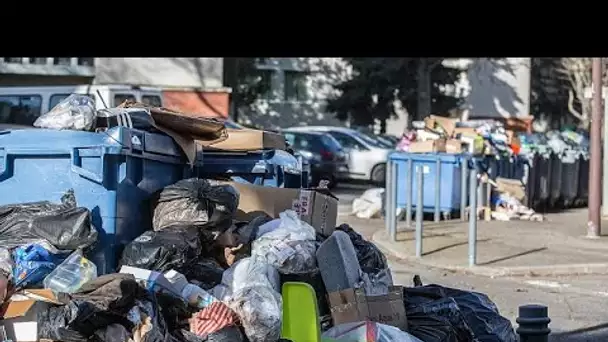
[388, 205]
[533, 323]
[409, 190]
[419, 207]
[473, 218]
[464, 168]
[394, 174]
[437, 188]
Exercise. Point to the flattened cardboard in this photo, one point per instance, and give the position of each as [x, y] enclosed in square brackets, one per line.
[428, 146]
[20, 314]
[242, 140]
[448, 125]
[318, 209]
[512, 187]
[352, 305]
[453, 146]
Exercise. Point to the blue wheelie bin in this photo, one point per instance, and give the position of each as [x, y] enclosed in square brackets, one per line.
[274, 168]
[114, 174]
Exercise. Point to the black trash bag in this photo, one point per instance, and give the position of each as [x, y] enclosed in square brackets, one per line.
[438, 321]
[176, 247]
[478, 311]
[175, 311]
[238, 239]
[65, 226]
[99, 303]
[112, 333]
[205, 273]
[145, 313]
[371, 259]
[196, 202]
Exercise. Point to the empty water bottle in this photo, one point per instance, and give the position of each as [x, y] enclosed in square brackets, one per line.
[71, 274]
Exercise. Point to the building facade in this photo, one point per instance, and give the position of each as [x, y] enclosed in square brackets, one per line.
[192, 85]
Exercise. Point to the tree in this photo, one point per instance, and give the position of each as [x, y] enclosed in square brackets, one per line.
[377, 83]
[577, 71]
[246, 81]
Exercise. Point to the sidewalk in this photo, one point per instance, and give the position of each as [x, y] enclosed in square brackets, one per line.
[512, 248]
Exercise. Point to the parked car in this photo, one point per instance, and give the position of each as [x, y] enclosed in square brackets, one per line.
[367, 156]
[327, 159]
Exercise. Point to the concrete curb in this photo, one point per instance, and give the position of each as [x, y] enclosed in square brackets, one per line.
[494, 272]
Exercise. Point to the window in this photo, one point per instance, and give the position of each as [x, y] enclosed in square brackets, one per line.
[86, 61]
[295, 86]
[330, 142]
[347, 141]
[56, 98]
[37, 60]
[13, 60]
[151, 100]
[62, 61]
[265, 83]
[120, 98]
[20, 109]
[291, 139]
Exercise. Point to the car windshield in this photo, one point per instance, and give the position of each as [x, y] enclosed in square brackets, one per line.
[371, 140]
[331, 142]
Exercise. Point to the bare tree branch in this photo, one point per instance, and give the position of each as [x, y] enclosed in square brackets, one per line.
[571, 108]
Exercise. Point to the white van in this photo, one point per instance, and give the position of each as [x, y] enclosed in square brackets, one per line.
[23, 105]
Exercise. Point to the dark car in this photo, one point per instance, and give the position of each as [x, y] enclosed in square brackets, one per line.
[323, 153]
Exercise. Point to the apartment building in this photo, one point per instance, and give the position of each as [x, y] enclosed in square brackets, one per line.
[193, 85]
[298, 88]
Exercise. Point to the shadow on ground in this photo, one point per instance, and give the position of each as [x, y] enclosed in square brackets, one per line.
[595, 333]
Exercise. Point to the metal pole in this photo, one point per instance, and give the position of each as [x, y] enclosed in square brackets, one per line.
[419, 206]
[388, 206]
[463, 187]
[605, 159]
[595, 164]
[394, 187]
[410, 190]
[473, 218]
[437, 188]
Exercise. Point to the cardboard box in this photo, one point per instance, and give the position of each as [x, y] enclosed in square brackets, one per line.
[465, 130]
[317, 207]
[448, 125]
[512, 187]
[21, 314]
[249, 140]
[352, 305]
[453, 146]
[512, 138]
[428, 146]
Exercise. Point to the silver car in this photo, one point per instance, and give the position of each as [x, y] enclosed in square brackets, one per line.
[367, 155]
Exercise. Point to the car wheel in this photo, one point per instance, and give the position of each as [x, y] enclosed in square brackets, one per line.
[378, 176]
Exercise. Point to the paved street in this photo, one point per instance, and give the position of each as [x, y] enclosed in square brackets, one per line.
[576, 302]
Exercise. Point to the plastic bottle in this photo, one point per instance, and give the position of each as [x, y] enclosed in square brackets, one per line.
[71, 274]
[197, 297]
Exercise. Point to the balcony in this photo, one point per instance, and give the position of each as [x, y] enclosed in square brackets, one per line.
[48, 66]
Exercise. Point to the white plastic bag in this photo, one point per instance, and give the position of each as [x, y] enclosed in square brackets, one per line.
[368, 332]
[290, 247]
[75, 112]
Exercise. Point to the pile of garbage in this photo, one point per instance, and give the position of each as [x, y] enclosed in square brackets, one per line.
[201, 275]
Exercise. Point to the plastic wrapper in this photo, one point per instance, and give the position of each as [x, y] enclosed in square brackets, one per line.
[75, 112]
[472, 310]
[377, 284]
[6, 262]
[196, 202]
[138, 118]
[368, 332]
[251, 288]
[33, 262]
[65, 226]
[290, 247]
[175, 248]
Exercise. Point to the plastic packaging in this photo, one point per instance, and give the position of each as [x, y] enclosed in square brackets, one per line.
[6, 262]
[75, 112]
[367, 332]
[197, 297]
[33, 262]
[291, 247]
[71, 274]
[251, 289]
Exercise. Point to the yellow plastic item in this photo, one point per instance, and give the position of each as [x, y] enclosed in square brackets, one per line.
[300, 313]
